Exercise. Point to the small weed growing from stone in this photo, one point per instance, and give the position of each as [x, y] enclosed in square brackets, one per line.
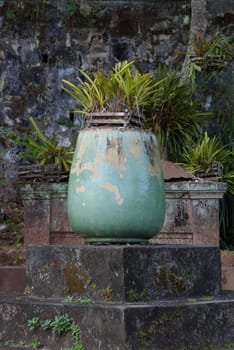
[84, 301]
[106, 294]
[207, 298]
[192, 300]
[76, 336]
[135, 296]
[58, 325]
[35, 343]
[69, 299]
[72, 299]
[21, 343]
[26, 291]
[33, 324]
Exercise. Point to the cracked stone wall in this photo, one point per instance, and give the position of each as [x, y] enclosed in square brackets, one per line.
[45, 41]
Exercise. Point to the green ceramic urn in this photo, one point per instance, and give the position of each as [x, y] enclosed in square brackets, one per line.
[116, 187]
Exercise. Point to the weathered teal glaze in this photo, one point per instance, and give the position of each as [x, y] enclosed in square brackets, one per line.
[116, 188]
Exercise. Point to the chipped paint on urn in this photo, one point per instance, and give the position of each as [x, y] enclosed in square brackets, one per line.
[116, 187]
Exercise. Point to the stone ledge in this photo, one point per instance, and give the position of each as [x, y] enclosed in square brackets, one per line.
[165, 325]
[195, 190]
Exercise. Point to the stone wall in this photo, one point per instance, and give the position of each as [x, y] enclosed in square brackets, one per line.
[45, 41]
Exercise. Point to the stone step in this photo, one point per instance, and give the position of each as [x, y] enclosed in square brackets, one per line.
[201, 323]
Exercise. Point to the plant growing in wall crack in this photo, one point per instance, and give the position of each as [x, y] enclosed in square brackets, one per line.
[72, 299]
[59, 325]
[33, 324]
[211, 54]
[35, 343]
[49, 151]
[46, 151]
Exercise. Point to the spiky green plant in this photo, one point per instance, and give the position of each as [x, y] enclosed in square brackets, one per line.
[204, 46]
[173, 114]
[206, 155]
[123, 88]
[47, 151]
[221, 46]
[202, 155]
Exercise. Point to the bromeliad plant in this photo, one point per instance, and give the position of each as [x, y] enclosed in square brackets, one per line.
[173, 114]
[123, 89]
[214, 51]
[47, 151]
[169, 108]
[209, 157]
[210, 54]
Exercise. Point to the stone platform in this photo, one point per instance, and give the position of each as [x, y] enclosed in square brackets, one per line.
[177, 324]
[139, 297]
[123, 272]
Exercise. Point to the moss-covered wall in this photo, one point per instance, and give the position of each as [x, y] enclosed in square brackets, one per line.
[45, 41]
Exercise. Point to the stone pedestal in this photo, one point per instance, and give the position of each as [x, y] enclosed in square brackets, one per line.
[137, 297]
[122, 273]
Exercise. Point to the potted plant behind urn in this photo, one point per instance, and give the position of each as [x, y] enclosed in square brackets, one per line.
[116, 188]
